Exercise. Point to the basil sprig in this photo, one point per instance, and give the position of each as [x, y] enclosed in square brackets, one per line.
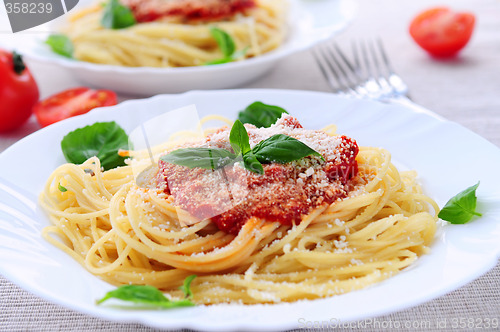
[278, 148]
[102, 139]
[227, 46]
[150, 296]
[261, 115]
[117, 16]
[462, 207]
[61, 45]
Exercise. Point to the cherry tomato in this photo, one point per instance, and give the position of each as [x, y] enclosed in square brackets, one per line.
[70, 103]
[18, 91]
[442, 32]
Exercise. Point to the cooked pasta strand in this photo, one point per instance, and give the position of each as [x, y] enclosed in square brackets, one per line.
[126, 234]
[168, 44]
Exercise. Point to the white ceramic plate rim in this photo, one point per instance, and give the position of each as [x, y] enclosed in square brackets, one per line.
[419, 140]
[293, 43]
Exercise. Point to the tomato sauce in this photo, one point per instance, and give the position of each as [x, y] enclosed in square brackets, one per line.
[284, 193]
[187, 10]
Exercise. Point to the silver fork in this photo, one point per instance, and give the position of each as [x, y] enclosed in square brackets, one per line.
[369, 75]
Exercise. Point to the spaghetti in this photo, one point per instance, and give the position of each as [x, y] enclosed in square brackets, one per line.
[176, 37]
[377, 226]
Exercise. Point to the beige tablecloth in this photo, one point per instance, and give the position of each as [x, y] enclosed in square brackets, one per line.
[465, 90]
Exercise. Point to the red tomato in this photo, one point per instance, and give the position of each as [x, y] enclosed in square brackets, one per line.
[18, 91]
[442, 32]
[70, 103]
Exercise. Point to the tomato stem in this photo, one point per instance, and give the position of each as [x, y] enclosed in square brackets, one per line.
[19, 65]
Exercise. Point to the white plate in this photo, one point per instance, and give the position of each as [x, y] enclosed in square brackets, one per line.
[448, 157]
[309, 23]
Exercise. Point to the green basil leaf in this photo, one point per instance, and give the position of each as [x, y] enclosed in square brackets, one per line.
[235, 56]
[278, 148]
[282, 149]
[208, 158]
[239, 138]
[252, 164]
[227, 46]
[224, 40]
[462, 207]
[145, 295]
[241, 144]
[61, 188]
[261, 115]
[135, 293]
[219, 61]
[186, 286]
[102, 139]
[117, 16]
[61, 45]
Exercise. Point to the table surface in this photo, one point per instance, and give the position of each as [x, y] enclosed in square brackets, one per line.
[465, 90]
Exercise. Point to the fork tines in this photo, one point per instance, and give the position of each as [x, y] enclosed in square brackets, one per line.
[369, 74]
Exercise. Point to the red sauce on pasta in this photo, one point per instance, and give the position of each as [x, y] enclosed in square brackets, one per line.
[284, 193]
[187, 10]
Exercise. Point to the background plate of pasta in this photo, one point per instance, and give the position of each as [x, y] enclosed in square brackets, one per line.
[355, 234]
[180, 45]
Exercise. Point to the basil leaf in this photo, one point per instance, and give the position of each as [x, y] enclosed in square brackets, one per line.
[224, 40]
[239, 138]
[241, 144]
[61, 188]
[282, 149]
[227, 47]
[208, 158]
[117, 16]
[185, 288]
[261, 115]
[252, 164]
[61, 45]
[146, 295]
[135, 293]
[461, 208]
[102, 139]
[236, 55]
